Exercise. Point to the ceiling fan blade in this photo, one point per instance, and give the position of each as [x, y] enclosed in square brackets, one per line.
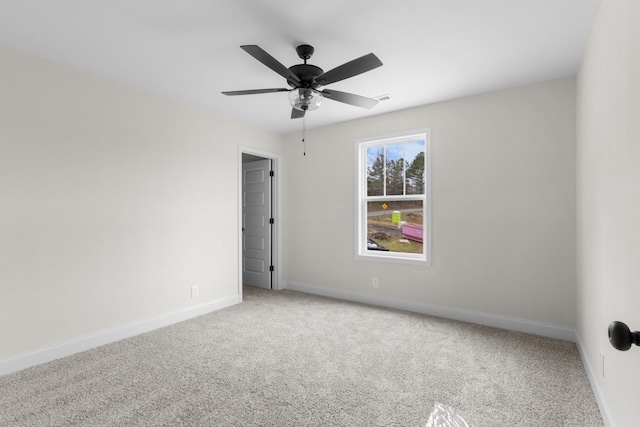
[297, 114]
[349, 98]
[253, 91]
[268, 60]
[350, 69]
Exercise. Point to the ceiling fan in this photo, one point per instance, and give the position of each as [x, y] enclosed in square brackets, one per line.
[307, 81]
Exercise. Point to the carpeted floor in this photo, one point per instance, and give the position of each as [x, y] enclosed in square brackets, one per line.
[291, 359]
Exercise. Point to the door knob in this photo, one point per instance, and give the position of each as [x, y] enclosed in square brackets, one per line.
[621, 336]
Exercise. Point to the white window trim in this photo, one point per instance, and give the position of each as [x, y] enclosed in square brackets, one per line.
[362, 253]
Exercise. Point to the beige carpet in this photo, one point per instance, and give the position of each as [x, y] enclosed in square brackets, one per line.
[290, 359]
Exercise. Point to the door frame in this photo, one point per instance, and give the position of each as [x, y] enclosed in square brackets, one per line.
[276, 254]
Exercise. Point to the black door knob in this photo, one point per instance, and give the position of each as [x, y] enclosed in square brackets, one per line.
[621, 336]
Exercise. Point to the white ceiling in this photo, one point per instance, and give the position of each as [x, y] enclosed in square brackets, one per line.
[188, 50]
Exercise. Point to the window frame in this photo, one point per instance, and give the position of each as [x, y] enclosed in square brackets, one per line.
[361, 145]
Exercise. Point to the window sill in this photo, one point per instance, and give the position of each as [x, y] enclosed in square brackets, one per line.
[380, 256]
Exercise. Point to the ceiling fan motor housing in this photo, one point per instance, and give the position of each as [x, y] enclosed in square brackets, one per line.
[307, 73]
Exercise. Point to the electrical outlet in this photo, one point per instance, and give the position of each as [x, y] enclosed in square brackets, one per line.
[374, 282]
[195, 292]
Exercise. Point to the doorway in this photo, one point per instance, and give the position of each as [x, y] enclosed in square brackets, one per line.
[259, 219]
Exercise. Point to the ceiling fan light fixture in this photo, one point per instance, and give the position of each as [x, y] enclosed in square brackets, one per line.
[305, 99]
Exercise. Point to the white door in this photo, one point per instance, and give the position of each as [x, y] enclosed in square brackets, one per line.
[256, 223]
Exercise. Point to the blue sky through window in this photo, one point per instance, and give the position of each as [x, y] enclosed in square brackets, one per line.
[396, 151]
[413, 148]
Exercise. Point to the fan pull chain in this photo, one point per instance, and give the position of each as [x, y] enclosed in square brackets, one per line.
[304, 129]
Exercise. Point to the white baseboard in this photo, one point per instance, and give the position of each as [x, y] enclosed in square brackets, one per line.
[68, 348]
[605, 412]
[486, 319]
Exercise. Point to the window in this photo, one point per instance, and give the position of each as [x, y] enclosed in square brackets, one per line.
[394, 198]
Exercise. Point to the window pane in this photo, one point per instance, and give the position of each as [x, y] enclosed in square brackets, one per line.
[415, 167]
[395, 226]
[375, 171]
[395, 169]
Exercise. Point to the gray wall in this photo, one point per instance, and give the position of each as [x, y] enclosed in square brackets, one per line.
[113, 204]
[503, 206]
[609, 202]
